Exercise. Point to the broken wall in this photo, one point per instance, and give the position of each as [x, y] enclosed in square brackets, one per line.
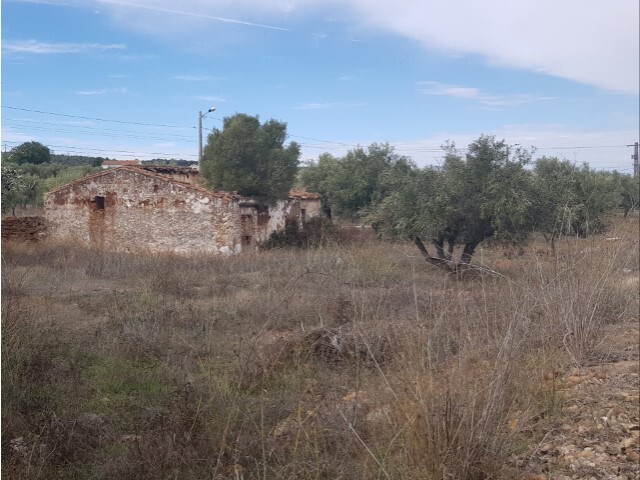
[127, 210]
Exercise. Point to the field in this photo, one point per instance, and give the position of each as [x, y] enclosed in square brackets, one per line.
[353, 360]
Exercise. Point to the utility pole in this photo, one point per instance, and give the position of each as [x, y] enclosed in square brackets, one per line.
[636, 165]
[200, 117]
[199, 139]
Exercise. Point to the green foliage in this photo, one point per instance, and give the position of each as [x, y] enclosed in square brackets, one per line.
[572, 200]
[350, 184]
[629, 192]
[18, 188]
[464, 202]
[314, 232]
[171, 161]
[598, 198]
[30, 152]
[555, 197]
[26, 184]
[251, 158]
[72, 160]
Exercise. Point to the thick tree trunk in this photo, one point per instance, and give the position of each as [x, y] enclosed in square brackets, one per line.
[467, 253]
[450, 250]
[439, 244]
[438, 262]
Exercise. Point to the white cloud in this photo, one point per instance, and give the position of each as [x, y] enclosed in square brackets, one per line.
[328, 105]
[211, 98]
[195, 78]
[43, 48]
[91, 92]
[156, 7]
[582, 40]
[436, 88]
[102, 91]
[477, 95]
[588, 41]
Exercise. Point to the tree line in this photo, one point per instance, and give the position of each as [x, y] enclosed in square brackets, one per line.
[31, 169]
[487, 193]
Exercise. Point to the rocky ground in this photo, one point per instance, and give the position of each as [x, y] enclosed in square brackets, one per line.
[597, 433]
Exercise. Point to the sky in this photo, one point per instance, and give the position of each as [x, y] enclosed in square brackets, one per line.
[127, 79]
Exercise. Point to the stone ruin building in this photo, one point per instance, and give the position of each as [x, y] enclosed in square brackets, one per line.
[163, 209]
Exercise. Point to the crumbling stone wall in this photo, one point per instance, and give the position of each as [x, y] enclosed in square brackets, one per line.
[259, 222]
[131, 210]
[24, 229]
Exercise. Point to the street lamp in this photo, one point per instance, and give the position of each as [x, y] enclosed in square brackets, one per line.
[200, 117]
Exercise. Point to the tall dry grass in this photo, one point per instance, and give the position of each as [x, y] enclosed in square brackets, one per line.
[345, 361]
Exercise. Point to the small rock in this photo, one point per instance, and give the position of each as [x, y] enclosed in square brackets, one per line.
[586, 453]
[547, 447]
[633, 456]
[613, 449]
[629, 442]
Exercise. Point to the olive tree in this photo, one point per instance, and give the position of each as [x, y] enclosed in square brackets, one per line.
[350, 184]
[450, 210]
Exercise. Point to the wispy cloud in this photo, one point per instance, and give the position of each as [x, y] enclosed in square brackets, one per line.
[478, 96]
[210, 98]
[43, 48]
[173, 11]
[138, 57]
[101, 91]
[195, 78]
[328, 105]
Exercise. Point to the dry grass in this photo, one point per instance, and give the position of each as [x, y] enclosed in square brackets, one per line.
[346, 361]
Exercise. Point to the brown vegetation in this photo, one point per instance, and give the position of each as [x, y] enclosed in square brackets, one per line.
[341, 362]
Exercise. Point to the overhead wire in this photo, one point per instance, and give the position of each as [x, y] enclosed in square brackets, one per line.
[326, 144]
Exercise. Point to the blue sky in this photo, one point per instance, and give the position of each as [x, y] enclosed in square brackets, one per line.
[126, 79]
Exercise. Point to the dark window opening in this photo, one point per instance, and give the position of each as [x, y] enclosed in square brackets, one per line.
[98, 203]
[303, 215]
[155, 188]
[246, 240]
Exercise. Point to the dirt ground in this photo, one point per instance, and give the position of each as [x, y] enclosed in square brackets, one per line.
[597, 436]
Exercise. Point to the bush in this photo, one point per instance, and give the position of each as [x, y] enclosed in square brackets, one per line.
[315, 232]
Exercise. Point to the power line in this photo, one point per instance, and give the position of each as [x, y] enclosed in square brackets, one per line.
[67, 147]
[94, 118]
[102, 134]
[87, 127]
[580, 147]
[160, 136]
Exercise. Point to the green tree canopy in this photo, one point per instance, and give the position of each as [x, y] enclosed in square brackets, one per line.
[30, 152]
[349, 185]
[468, 200]
[17, 188]
[572, 200]
[251, 158]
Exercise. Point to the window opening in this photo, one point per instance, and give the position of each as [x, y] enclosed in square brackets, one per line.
[99, 203]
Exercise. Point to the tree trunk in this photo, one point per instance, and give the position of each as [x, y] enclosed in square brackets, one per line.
[438, 262]
[439, 244]
[467, 253]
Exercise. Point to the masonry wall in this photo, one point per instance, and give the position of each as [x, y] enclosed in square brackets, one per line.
[258, 222]
[129, 211]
